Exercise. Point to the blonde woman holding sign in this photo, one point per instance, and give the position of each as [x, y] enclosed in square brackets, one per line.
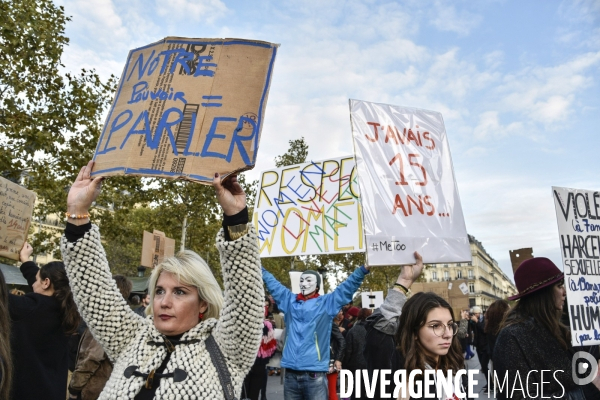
[194, 343]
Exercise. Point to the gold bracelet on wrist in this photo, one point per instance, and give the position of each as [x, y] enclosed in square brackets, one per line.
[77, 216]
[237, 231]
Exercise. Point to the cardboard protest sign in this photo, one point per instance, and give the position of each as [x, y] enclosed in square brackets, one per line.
[456, 293]
[578, 215]
[409, 196]
[16, 209]
[187, 108]
[310, 208]
[295, 282]
[518, 256]
[371, 300]
[155, 248]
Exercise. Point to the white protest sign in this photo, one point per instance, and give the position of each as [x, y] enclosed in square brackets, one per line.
[578, 216]
[310, 208]
[371, 300]
[295, 282]
[409, 197]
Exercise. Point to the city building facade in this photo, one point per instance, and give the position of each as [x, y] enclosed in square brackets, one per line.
[485, 280]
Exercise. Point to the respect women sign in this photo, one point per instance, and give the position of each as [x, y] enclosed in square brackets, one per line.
[578, 216]
[408, 191]
[310, 208]
[187, 108]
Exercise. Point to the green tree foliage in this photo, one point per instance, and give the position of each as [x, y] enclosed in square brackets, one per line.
[123, 238]
[49, 120]
[296, 154]
[173, 202]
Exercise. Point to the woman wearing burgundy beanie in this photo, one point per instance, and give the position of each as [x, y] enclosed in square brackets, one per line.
[533, 339]
[349, 322]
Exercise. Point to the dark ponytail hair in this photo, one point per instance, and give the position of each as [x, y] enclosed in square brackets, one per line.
[55, 271]
[5, 355]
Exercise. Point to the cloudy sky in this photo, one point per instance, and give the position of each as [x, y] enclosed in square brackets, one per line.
[517, 83]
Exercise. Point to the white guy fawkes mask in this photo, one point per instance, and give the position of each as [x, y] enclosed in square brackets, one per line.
[308, 284]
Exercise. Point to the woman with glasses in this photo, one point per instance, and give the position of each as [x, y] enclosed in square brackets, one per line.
[426, 340]
[414, 334]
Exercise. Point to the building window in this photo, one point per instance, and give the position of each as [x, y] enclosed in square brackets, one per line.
[469, 263]
[471, 287]
[446, 275]
[472, 303]
[458, 274]
[445, 265]
[471, 274]
[434, 276]
[458, 264]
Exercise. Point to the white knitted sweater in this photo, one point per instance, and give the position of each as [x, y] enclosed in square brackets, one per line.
[124, 335]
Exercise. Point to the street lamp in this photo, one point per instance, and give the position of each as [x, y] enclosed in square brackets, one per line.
[141, 270]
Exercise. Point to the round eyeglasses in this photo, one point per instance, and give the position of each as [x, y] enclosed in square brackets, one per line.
[439, 329]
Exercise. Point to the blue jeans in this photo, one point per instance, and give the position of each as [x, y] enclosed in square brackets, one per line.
[305, 386]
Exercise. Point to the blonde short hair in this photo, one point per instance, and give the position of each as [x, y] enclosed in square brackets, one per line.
[192, 270]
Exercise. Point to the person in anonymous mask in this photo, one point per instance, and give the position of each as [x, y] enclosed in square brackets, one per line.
[309, 282]
[308, 320]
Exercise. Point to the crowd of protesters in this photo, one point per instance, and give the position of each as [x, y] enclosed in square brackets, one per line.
[188, 339]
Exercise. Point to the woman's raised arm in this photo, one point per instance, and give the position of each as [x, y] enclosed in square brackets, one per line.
[100, 303]
[238, 331]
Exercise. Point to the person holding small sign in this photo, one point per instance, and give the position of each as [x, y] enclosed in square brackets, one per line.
[194, 343]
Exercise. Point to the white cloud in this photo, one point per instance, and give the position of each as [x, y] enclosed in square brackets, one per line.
[476, 151]
[195, 10]
[546, 94]
[102, 32]
[448, 19]
[580, 27]
[96, 20]
[587, 11]
[490, 126]
[555, 108]
[494, 59]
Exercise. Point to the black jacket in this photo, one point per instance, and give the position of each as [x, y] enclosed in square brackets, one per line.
[355, 346]
[380, 352]
[39, 344]
[528, 346]
[337, 344]
[480, 337]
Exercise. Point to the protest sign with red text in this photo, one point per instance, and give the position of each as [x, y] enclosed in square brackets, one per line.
[409, 196]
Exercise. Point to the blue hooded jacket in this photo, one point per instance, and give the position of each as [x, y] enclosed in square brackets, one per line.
[308, 323]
